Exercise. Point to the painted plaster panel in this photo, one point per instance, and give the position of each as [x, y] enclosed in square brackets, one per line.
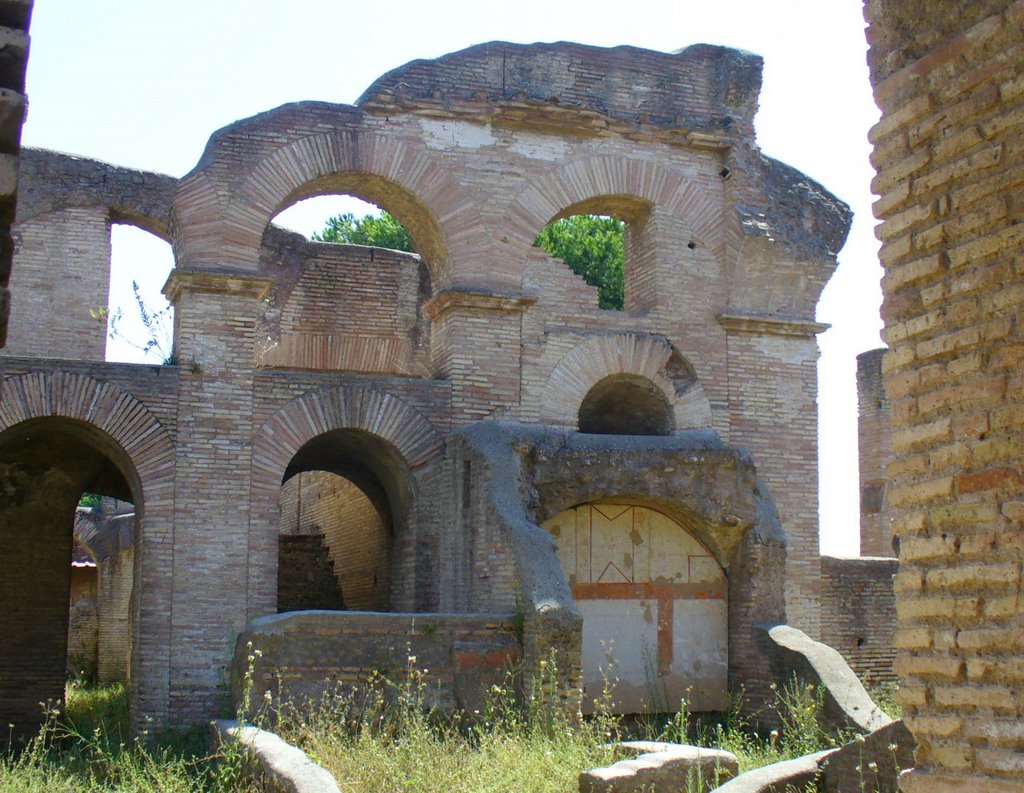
[654, 607]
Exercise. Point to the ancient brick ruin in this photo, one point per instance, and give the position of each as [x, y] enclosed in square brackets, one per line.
[948, 152]
[444, 387]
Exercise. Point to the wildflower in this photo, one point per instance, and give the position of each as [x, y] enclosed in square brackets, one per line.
[873, 766]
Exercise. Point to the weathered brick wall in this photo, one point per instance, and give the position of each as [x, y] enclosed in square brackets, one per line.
[950, 159]
[874, 448]
[858, 614]
[343, 307]
[50, 315]
[82, 622]
[215, 321]
[305, 574]
[775, 417]
[116, 581]
[304, 656]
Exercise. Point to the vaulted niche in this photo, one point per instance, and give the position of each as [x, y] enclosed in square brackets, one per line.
[626, 404]
[655, 608]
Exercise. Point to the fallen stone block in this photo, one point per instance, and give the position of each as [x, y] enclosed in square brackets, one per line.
[670, 767]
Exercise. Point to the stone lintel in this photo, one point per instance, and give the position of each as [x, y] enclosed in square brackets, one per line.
[212, 282]
[772, 326]
[445, 301]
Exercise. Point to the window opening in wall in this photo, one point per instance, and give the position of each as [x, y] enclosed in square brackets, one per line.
[593, 246]
[139, 320]
[346, 219]
[626, 404]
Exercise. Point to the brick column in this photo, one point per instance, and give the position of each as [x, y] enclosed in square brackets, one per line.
[215, 343]
[773, 412]
[874, 451]
[949, 151]
[477, 344]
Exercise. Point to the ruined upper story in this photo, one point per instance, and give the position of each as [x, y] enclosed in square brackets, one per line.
[475, 152]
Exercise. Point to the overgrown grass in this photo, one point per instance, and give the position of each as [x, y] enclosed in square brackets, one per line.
[84, 748]
[799, 709]
[383, 738]
[884, 695]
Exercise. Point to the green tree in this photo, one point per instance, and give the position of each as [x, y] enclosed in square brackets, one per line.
[382, 232]
[592, 245]
[594, 248]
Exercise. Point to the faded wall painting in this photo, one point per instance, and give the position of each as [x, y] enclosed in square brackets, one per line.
[654, 608]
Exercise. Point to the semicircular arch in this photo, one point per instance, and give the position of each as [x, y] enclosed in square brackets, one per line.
[311, 415]
[105, 407]
[640, 355]
[615, 185]
[404, 180]
[125, 428]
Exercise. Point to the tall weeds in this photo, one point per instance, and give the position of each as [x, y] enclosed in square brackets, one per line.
[84, 747]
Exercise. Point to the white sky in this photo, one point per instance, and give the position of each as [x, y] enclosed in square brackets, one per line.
[144, 84]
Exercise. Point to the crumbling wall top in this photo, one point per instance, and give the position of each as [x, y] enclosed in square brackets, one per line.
[700, 88]
[50, 180]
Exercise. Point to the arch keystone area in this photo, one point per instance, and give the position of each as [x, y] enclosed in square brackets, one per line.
[345, 407]
[101, 405]
[598, 357]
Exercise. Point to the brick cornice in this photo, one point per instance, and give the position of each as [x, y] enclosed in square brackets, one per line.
[772, 326]
[482, 301]
[212, 282]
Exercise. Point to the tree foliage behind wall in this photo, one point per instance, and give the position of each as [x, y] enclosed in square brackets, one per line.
[592, 245]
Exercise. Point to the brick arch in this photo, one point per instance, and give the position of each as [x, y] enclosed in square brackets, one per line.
[405, 180]
[133, 431]
[642, 355]
[299, 421]
[345, 407]
[580, 182]
[118, 414]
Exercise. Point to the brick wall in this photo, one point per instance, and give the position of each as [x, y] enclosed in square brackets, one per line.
[874, 449]
[116, 580]
[774, 415]
[306, 655]
[77, 240]
[950, 159]
[346, 307]
[305, 574]
[82, 622]
[858, 614]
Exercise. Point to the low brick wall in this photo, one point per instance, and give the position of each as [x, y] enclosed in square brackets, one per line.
[858, 614]
[304, 655]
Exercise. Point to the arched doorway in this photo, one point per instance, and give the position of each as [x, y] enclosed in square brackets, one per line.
[345, 498]
[654, 606]
[46, 464]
